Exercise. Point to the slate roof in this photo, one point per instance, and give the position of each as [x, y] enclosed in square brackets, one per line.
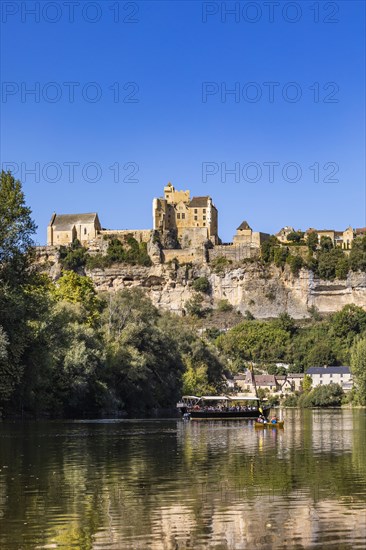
[328, 370]
[199, 202]
[65, 222]
[265, 379]
[243, 225]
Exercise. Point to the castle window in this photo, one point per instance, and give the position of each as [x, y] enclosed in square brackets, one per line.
[204, 224]
[195, 210]
[183, 216]
[204, 217]
[204, 210]
[84, 230]
[195, 218]
[178, 216]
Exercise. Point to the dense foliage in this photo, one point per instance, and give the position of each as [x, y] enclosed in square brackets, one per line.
[322, 258]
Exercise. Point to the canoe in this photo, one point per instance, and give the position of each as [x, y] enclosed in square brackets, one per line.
[279, 424]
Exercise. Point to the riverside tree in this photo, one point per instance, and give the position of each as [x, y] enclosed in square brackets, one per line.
[358, 366]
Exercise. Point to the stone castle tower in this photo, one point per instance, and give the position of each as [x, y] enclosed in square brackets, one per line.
[192, 219]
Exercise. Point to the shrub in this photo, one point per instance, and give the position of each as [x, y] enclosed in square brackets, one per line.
[295, 263]
[73, 257]
[194, 306]
[224, 305]
[329, 395]
[219, 264]
[201, 284]
[291, 400]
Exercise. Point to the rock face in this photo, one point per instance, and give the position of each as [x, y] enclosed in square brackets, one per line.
[264, 291]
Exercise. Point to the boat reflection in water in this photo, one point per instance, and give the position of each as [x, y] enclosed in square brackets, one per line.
[211, 407]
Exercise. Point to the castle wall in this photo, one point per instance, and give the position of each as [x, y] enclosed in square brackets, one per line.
[187, 255]
[141, 235]
[234, 252]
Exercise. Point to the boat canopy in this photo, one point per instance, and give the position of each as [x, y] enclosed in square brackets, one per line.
[215, 398]
[190, 397]
[241, 398]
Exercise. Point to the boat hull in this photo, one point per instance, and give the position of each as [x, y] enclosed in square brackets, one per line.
[279, 424]
[224, 415]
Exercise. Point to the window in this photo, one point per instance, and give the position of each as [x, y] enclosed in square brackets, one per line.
[195, 218]
[204, 210]
[178, 216]
[341, 374]
[204, 217]
[195, 210]
[204, 224]
[183, 216]
[320, 375]
[331, 375]
[84, 230]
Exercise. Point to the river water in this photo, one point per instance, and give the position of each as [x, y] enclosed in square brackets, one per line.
[169, 484]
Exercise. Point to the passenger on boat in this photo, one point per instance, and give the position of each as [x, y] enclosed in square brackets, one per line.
[261, 419]
[274, 419]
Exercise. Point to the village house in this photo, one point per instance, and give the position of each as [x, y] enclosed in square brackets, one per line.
[327, 375]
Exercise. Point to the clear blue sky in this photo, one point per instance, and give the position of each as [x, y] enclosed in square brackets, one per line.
[176, 124]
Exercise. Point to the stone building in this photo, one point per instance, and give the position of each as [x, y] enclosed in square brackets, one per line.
[245, 235]
[326, 375]
[63, 229]
[283, 233]
[178, 212]
[341, 239]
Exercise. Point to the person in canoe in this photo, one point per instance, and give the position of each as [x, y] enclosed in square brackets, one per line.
[262, 419]
[274, 419]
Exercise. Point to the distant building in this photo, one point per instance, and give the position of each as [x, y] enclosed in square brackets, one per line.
[245, 235]
[63, 229]
[195, 218]
[340, 239]
[326, 375]
[283, 234]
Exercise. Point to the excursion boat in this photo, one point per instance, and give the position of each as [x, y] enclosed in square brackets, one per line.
[212, 407]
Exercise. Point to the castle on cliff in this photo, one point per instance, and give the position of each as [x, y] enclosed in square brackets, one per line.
[185, 226]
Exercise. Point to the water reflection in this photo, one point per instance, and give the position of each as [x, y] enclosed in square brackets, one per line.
[174, 485]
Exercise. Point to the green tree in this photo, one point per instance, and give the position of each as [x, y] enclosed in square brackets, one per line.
[358, 367]
[78, 289]
[73, 257]
[312, 241]
[357, 257]
[326, 243]
[329, 261]
[295, 263]
[16, 231]
[307, 383]
[295, 236]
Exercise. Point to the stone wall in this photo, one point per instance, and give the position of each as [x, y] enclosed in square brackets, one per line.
[234, 252]
[141, 235]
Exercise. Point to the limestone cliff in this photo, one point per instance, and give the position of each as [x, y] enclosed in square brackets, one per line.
[264, 291]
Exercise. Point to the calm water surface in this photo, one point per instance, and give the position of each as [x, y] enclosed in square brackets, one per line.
[166, 484]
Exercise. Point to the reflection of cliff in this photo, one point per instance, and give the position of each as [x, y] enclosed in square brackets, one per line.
[174, 485]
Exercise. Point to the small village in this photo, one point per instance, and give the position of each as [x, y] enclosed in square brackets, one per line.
[283, 385]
